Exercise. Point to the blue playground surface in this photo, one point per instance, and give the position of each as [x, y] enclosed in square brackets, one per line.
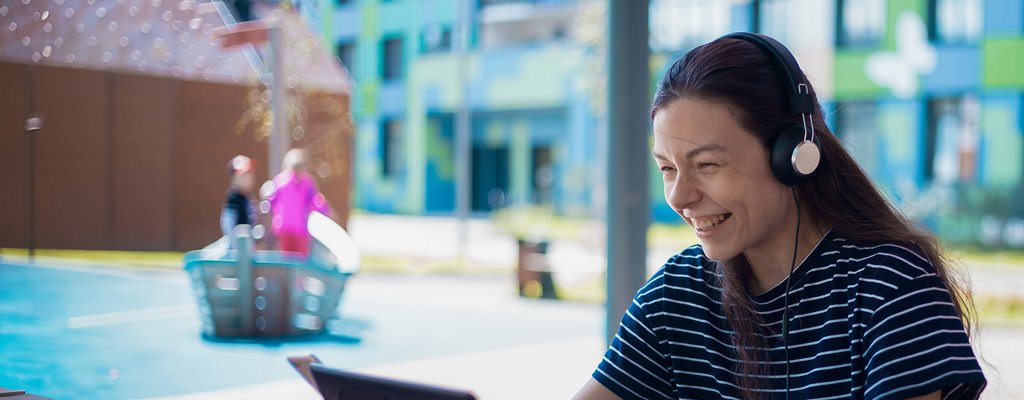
[91, 331]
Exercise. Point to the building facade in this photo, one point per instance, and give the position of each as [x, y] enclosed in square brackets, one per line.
[529, 122]
[928, 97]
[927, 94]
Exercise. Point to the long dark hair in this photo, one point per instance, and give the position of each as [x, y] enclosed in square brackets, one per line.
[839, 194]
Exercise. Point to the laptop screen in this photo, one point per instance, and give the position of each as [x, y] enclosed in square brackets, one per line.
[342, 385]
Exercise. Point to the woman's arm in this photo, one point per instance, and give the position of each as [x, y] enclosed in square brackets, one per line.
[594, 390]
[936, 395]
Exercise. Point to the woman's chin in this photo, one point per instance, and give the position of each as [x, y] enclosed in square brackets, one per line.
[717, 253]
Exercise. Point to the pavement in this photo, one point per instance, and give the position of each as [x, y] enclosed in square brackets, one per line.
[90, 331]
[77, 331]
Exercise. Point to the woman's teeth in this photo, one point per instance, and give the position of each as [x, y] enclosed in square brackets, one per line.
[709, 222]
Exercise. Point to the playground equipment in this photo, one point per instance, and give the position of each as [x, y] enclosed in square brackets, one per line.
[243, 292]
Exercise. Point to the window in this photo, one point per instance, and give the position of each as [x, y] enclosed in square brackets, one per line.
[489, 181]
[860, 22]
[954, 21]
[796, 23]
[951, 147]
[441, 176]
[856, 127]
[683, 24]
[436, 38]
[391, 163]
[559, 33]
[346, 52]
[391, 67]
[243, 10]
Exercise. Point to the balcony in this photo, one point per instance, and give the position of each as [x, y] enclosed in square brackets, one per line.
[516, 22]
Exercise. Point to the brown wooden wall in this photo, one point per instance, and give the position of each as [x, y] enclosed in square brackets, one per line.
[143, 135]
[72, 158]
[206, 142]
[129, 161]
[13, 180]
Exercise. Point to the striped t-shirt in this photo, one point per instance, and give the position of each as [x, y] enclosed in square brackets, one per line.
[867, 322]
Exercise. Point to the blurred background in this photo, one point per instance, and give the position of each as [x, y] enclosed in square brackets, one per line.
[464, 145]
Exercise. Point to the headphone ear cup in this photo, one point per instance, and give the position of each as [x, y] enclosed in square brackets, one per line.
[790, 151]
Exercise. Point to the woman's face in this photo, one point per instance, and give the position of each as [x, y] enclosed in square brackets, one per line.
[717, 178]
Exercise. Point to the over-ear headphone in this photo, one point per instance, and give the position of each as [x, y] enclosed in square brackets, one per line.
[795, 152]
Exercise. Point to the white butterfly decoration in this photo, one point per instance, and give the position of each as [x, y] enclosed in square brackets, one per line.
[899, 70]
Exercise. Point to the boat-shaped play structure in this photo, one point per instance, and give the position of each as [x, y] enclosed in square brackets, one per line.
[244, 292]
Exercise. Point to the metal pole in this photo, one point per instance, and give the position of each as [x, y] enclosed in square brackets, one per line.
[628, 155]
[280, 138]
[32, 127]
[463, 158]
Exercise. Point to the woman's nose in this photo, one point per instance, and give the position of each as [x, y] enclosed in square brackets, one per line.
[681, 193]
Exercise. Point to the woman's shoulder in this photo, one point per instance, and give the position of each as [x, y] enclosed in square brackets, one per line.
[690, 261]
[687, 280]
[304, 182]
[890, 260]
[290, 181]
[690, 267]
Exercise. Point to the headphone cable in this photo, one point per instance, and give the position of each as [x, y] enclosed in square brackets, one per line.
[785, 310]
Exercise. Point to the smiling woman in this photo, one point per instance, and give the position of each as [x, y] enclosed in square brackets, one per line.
[716, 177]
[870, 311]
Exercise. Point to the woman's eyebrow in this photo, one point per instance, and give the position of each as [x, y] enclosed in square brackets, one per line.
[710, 147]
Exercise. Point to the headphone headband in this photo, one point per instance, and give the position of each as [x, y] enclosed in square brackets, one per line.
[800, 101]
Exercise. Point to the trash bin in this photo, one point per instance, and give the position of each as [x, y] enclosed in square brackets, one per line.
[534, 271]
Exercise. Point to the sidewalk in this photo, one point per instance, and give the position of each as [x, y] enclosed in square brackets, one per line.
[139, 337]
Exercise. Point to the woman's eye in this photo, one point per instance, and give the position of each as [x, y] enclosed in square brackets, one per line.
[706, 165]
[666, 168]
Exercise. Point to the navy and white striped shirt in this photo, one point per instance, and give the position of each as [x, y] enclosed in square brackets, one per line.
[871, 322]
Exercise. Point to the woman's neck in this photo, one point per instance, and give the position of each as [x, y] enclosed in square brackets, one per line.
[772, 267]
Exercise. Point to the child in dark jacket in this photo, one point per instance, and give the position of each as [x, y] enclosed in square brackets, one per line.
[238, 208]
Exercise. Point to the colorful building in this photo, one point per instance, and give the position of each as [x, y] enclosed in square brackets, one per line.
[927, 94]
[531, 128]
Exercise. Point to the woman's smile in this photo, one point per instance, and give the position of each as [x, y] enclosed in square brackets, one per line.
[706, 225]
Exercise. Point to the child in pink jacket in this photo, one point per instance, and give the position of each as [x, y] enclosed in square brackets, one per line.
[295, 196]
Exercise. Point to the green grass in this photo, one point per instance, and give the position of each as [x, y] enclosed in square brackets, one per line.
[590, 290]
[146, 259]
[1000, 310]
[414, 265]
[172, 260]
[1005, 257]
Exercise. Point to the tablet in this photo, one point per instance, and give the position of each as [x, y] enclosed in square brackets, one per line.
[302, 363]
[342, 385]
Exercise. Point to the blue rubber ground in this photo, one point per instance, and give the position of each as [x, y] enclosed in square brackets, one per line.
[39, 352]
